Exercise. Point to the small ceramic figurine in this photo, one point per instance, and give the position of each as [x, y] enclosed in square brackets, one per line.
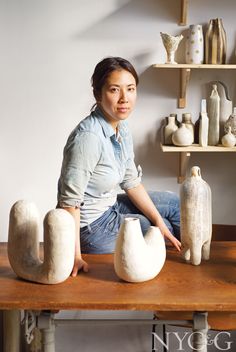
[23, 244]
[138, 258]
[196, 218]
[171, 44]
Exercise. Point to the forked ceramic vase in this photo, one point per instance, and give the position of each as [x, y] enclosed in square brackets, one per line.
[23, 244]
[196, 218]
[138, 258]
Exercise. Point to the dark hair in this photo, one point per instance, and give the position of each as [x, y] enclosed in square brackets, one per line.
[104, 68]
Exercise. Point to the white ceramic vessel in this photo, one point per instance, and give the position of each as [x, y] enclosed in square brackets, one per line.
[170, 128]
[171, 44]
[138, 258]
[203, 125]
[23, 243]
[229, 139]
[213, 108]
[196, 218]
[182, 137]
[194, 51]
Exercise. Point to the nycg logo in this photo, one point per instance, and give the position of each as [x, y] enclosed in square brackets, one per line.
[221, 341]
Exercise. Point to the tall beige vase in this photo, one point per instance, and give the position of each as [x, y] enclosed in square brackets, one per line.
[196, 218]
[138, 258]
[215, 42]
[213, 109]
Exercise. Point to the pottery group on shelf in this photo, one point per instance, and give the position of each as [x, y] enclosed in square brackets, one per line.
[216, 123]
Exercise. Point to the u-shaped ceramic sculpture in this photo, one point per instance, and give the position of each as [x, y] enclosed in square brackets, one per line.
[23, 243]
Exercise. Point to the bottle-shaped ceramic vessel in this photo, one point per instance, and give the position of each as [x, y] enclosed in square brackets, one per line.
[203, 125]
[214, 117]
[194, 51]
[215, 43]
[138, 258]
[228, 140]
[187, 120]
[182, 137]
[170, 128]
[231, 122]
[196, 218]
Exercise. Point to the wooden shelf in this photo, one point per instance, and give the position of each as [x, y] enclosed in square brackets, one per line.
[196, 148]
[185, 153]
[185, 71]
[184, 11]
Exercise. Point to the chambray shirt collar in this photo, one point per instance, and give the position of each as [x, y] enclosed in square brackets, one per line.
[107, 128]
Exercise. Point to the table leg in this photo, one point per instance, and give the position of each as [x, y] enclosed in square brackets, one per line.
[11, 331]
[46, 324]
[200, 330]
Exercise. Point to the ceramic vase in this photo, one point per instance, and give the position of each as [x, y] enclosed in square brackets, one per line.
[228, 140]
[196, 218]
[215, 42]
[226, 105]
[23, 244]
[171, 44]
[194, 50]
[138, 258]
[213, 108]
[231, 122]
[203, 125]
[187, 120]
[182, 137]
[170, 128]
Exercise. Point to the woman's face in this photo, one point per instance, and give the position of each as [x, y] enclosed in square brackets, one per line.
[118, 96]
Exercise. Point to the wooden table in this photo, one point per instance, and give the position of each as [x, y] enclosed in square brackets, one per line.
[208, 287]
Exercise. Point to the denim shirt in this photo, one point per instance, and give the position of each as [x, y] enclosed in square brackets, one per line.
[95, 162]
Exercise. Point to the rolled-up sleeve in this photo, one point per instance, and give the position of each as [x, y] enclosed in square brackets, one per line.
[81, 155]
[132, 176]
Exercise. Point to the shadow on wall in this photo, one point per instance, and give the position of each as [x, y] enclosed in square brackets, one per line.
[129, 16]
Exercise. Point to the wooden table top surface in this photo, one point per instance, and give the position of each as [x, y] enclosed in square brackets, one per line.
[210, 286]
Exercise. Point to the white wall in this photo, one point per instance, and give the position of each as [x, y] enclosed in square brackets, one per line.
[47, 55]
[48, 52]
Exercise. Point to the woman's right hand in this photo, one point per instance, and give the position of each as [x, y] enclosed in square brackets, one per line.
[79, 264]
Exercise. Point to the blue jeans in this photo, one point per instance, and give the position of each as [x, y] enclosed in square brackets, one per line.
[100, 236]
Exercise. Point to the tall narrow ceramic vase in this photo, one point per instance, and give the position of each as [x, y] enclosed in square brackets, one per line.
[23, 244]
[194, 51]
[203, 125]
[138, 258]
[196, 218]
[214, 117]
[215, 42]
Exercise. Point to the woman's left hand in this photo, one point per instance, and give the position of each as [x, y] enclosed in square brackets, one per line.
[166, 233]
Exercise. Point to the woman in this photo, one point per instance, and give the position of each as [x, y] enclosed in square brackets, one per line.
[98, 157]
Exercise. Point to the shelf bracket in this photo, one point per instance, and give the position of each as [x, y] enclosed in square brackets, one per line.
[184, 158]
[184, 10]
[184, 80]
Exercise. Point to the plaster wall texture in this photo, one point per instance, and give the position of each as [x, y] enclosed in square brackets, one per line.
[47, 55]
